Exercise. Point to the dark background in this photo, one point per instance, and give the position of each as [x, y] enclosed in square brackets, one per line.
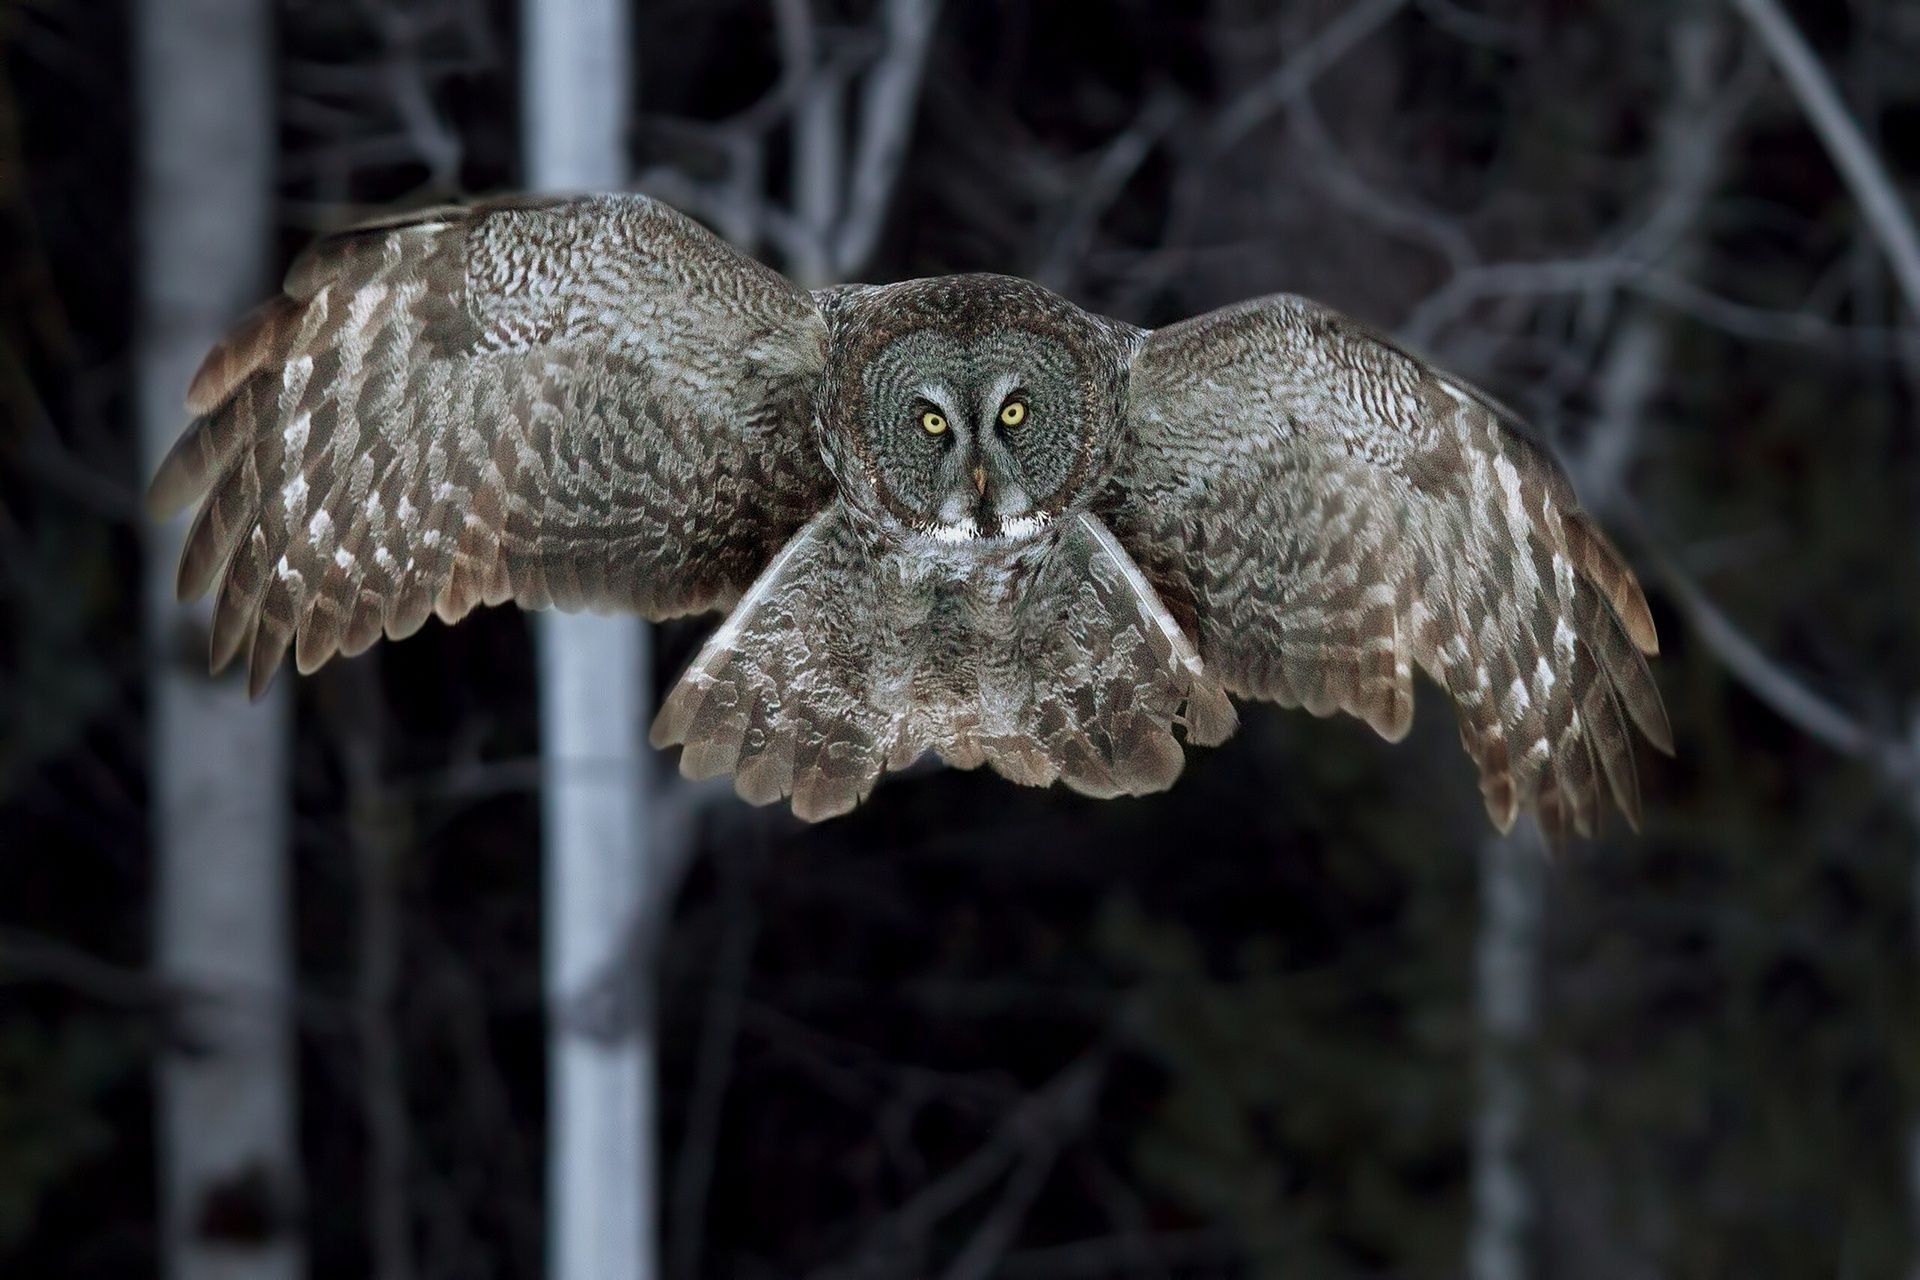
[1227, 1031]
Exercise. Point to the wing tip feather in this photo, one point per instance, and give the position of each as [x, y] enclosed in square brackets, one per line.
[239, 354]
[186, 472]
[263, 664]
[173, 486]
[1659, 731]
[1602, 564]
[1637, 618]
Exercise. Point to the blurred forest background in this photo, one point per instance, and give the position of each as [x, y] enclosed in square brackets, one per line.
[1302, 1016]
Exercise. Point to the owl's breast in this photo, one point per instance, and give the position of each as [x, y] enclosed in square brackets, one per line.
[954, 651]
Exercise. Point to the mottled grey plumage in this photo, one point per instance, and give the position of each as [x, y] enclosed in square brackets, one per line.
[957, 514]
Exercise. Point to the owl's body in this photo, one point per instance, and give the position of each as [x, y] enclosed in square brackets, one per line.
[957, 515]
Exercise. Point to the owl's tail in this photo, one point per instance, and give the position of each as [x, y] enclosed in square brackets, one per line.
[1103, 677]
[813, 686]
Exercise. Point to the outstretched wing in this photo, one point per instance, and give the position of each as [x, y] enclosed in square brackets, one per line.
[584, 403]
[1326, 512]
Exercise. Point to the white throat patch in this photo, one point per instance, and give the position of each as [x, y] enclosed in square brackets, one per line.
[968, 530]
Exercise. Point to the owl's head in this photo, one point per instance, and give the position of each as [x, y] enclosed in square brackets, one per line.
[972, 407]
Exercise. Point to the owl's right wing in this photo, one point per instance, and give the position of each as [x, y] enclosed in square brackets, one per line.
[581, 403]
[1328, 512]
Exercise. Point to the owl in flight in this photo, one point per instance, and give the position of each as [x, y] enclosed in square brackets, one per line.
[957, 514]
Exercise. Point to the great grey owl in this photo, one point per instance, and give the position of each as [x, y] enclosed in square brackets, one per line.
[957, 515]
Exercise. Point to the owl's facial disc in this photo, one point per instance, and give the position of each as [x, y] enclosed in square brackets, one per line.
[975, 437]
[990, 500]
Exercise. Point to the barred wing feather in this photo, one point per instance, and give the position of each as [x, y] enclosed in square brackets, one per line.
[581, 403]
[1328, 512]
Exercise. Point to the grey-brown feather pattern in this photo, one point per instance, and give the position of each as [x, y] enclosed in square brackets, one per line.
[594, 403]
[781, 696]
[1107, 675]
[587, 404]
[1327, 512]
[839, 664]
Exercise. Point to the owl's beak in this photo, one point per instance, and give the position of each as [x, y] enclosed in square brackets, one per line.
[980, 481]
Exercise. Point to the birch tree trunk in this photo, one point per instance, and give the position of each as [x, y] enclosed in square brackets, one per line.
[1512, 871]
[229, 1168]
[600, 879]
[1511, 880]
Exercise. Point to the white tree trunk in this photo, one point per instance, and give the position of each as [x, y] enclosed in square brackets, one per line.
[1511, 878]
[1513, 871]
[229, 1168]
[1895, 229]
[594, 707]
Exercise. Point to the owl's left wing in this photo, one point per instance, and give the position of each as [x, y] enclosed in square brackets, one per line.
[1326, 512]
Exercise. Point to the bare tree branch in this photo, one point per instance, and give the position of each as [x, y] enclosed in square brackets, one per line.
[1393, 213]
[1118, 1256]
[1865, 175]
[1062, 257]
[1763, 324]
[26, 957]
[1284, 85]
[1466, 25]
[988, 1245]
[1693, 143]
[1038, 1122]
[1431, 317]
[402, 71]
[1789, 697]
[887, 109]
[819, 144]
[838, 207]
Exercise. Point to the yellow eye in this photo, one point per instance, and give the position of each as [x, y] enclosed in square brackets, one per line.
[933, 422]
[1013, 413]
